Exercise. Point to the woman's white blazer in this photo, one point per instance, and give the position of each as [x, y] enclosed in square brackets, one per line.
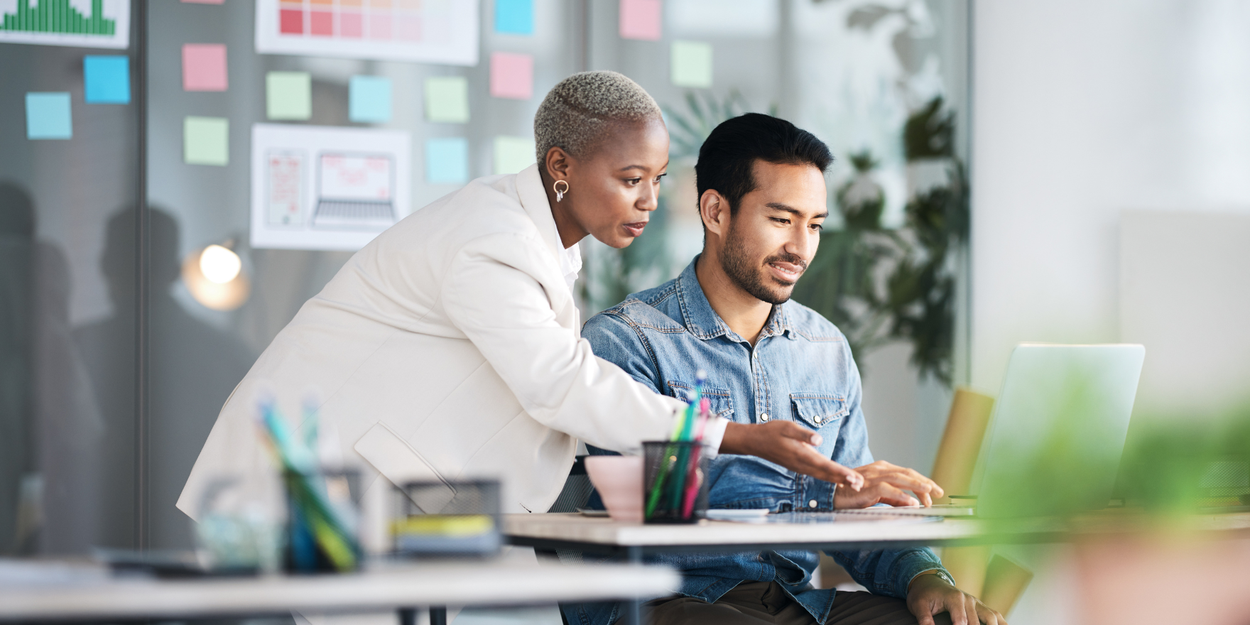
[447, 348]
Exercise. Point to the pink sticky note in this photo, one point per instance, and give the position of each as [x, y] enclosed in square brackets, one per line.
[640, 19]
[204, 67]
[511, 75]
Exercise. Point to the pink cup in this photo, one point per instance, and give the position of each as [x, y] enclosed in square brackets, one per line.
[619, 481]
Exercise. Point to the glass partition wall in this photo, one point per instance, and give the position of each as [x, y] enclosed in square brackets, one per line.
[116, 353]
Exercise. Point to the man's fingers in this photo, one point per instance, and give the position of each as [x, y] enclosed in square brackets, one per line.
[971, 606]
[959, 614]
[925, 500]
[990, 616]
[895, 497]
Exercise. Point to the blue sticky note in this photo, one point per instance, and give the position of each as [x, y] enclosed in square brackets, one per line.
[369, 99]
[47, 116]
[514, 17]
[106, 79]
[447, 161]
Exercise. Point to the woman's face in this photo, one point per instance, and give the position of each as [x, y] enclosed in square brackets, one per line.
[614, 189]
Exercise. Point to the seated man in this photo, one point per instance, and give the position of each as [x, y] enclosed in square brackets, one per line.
[762, 201]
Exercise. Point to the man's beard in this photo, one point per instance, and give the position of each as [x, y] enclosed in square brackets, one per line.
[738, 267]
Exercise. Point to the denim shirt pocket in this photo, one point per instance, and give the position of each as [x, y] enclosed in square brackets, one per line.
[719, 400]
[819, 410]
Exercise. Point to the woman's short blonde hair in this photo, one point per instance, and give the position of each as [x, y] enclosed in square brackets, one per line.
[578, 111]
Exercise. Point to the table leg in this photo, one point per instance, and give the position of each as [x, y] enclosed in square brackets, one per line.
[633, 607]
[438, 615]
[407, 616]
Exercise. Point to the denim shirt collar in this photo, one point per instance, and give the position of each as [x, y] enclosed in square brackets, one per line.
[701, 319]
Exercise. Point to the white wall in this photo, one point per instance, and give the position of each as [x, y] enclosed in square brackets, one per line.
[1083, 109]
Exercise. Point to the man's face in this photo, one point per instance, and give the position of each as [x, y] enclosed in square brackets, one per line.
[775, 232]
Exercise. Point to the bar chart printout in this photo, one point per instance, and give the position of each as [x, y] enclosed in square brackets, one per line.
[79, 23]
[429, 31]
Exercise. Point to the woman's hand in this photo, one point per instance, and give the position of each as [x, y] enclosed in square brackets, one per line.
[789, 445]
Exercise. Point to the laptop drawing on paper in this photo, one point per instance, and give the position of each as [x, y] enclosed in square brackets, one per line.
[1062, 415]
[355, 191]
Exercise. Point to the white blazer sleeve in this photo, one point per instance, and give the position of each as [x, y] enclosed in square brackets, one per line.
[505, 311]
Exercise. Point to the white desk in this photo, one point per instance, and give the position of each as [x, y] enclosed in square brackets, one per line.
[574, 531]
[84, 594]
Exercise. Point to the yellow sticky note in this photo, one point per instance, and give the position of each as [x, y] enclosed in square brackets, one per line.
[447, 99]
[206, 140]
[692, 64]
[512, 154]
[288, 95]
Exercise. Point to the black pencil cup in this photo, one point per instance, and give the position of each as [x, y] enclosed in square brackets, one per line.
[674, 481]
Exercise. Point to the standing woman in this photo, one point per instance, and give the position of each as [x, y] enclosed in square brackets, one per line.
[449, 345]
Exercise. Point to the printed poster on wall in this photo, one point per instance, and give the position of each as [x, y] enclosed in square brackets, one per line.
[77, 23]
[424, 31]
[327, 188]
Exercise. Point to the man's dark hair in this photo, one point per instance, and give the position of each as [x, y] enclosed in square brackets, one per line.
[729, 154]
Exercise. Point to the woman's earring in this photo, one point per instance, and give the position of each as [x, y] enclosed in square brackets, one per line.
[560, 193]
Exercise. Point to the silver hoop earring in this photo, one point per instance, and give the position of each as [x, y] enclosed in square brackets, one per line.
[556, 187]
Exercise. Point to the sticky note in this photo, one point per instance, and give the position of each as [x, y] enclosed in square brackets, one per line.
[514, 17]
[204, 67]
[288, 95]
[206, 140]
[511, 75]
[106, 79]
[447, 160]
[48, 116]
[369, 99]
[640, 19]
[447, 99]
[692, 64]
[512, 154]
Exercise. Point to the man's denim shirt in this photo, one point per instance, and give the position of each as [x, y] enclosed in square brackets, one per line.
[799, 370]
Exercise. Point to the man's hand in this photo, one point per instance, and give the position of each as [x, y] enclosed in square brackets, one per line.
[885, 483]
[929, 594]
[789, 445]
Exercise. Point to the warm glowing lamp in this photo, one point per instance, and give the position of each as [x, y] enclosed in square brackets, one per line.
[214, 276]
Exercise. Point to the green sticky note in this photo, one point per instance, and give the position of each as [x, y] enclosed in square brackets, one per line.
[206, 140]
[447, 99]
[692, 64]
[512, 154]
[288, 95]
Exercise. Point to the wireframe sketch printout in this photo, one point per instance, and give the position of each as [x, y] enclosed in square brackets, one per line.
[327, 188]
[77, 23]
[426, 31]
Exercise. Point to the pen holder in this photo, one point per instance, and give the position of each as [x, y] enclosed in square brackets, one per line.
[460, 518]
[674, 481]
[323, 521]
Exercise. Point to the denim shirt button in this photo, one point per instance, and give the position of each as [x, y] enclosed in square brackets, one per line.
[812, 504]
[817, 420]
[763, 416]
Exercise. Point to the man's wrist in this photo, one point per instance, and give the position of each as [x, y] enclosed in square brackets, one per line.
[940, 573]
[735, 440]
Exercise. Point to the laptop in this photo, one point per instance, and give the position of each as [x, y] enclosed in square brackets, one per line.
[355, 191]
[1056, 433]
